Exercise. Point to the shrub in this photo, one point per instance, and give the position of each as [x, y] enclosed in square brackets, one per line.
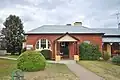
[116, 60]
[106, 56]
[89, 52]
[46, 53]
[31, 61]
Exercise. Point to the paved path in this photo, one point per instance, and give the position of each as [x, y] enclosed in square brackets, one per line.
[80, 71]
[8, 58]
[83, 73]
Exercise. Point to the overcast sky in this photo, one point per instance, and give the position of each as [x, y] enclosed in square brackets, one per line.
[34, 13]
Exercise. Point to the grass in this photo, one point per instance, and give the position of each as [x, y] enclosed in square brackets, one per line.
[104, 69]
[6, 68]
[51, 72]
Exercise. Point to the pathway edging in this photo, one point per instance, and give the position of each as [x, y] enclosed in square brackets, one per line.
[8, 58]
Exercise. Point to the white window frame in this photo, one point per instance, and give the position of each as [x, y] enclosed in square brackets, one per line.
[47, 45]
[87, 41]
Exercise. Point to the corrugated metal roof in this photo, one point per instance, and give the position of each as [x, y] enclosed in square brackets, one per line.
[62, 29]
[108, 31]
[53, 29]
[111, 39]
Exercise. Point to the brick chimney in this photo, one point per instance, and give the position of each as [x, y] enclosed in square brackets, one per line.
[78, 24]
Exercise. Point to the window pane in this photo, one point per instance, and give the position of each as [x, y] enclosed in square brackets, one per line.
[48, 44]
[43, 43]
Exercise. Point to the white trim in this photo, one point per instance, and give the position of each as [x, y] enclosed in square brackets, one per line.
[111, 39]
[40, 48]
[39, 44]
[66, 38]
[29, 47]
[46, 43]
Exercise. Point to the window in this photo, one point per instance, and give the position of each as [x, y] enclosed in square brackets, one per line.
[87, 42]
[43, 44]
[62, 44]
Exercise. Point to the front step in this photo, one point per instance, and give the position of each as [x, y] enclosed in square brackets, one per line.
[63, 61]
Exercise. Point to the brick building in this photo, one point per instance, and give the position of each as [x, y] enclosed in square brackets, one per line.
[65, 39]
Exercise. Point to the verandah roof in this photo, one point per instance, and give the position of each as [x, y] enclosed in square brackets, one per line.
[111, 39]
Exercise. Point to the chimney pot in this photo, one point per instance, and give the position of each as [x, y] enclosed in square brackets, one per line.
[78, 24]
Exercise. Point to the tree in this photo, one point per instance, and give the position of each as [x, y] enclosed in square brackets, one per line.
[14, 34]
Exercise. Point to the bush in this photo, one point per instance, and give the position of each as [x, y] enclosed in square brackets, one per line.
[89, 52]
[106, 56]
[31, 61]
[116, 60]
[46, 53]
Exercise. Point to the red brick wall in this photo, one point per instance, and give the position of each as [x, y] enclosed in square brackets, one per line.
[95, 39]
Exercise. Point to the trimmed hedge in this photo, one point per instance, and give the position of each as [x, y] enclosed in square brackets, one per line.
[106, 56]
[116, 60]
[46, 53]
[31, 61]
[89, 52]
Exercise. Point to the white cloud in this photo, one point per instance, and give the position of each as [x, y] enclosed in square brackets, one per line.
[34, 13]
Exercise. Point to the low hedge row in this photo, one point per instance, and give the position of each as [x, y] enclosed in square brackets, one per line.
[116, 60]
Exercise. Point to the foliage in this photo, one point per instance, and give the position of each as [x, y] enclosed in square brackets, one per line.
[116, 60]
[14, 34]
[2, 43]
[23, 50]
[46, 53]
[89, 51]
[106, 56]
[31, 61]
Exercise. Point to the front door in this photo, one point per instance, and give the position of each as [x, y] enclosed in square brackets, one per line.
[64, 49]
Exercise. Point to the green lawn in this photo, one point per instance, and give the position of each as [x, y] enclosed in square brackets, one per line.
[6, 68]
[106, 70]
[52, 72]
